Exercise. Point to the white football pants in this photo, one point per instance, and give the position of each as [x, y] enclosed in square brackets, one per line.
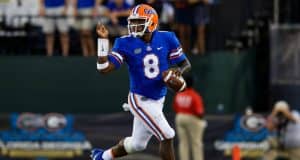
[148, 119]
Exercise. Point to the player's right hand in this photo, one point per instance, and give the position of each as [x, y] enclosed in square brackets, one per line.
[176, 71]
[102, 31]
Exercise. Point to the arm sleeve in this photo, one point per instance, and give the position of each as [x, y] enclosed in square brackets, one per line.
[176, 54]
[116, 56]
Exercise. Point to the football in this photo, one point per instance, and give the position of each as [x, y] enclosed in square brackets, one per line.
[173, 82]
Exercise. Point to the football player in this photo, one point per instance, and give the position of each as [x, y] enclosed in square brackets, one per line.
[147, 53]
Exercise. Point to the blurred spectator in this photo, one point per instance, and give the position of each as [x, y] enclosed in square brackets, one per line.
[184, 18]
[118, 11]
[286, 124]
[54, 12]
[17, 25]
[200, 19]
[190, 124]
[166, 16]
[17, 12]
[84, 11]
[164, 9]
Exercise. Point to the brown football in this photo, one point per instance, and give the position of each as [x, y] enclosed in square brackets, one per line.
[174, 82]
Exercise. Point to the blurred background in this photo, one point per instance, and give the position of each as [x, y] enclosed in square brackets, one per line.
[55, 105]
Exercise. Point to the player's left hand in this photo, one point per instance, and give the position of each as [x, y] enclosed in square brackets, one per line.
[126, 107]
[102, 31]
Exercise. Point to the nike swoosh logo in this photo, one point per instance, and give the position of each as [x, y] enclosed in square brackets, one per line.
[159, 48]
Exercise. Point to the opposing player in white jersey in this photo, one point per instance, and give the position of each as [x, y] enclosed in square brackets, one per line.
[147, 53]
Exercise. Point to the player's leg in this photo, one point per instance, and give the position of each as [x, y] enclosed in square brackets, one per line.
[166, 149]
[149, 120]
[116, 151]
[137, 142]
[150, 112]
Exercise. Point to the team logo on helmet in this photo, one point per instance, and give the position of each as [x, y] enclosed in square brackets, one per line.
[149, 11]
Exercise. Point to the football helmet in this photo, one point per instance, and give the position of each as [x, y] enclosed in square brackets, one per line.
[143, 18]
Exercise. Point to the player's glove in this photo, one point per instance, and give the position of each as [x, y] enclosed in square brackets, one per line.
[126, 107]
[176, 71]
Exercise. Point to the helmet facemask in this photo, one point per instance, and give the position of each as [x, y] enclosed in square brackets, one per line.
[137, 26]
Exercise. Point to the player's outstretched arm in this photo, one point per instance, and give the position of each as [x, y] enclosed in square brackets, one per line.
[103, 64]
[182, 67]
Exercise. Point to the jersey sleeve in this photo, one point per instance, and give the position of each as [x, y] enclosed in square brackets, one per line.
[176, 54]
[116, 56]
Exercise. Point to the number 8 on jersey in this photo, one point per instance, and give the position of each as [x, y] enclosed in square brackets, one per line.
[151, 68]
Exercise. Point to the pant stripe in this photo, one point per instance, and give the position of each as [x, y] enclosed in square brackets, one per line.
[148, 117]
[155, 133]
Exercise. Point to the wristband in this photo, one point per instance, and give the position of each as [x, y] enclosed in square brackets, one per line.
[101, 66]
[103, 47]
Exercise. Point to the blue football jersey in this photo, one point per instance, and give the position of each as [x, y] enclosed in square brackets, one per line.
[147, 61]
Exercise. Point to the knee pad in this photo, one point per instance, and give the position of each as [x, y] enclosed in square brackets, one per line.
[170, 134]
[132, 146]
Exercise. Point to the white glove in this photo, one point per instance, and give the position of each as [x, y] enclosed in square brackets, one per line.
[126, 107]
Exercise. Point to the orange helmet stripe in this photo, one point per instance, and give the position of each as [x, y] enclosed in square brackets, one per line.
[135, 9]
